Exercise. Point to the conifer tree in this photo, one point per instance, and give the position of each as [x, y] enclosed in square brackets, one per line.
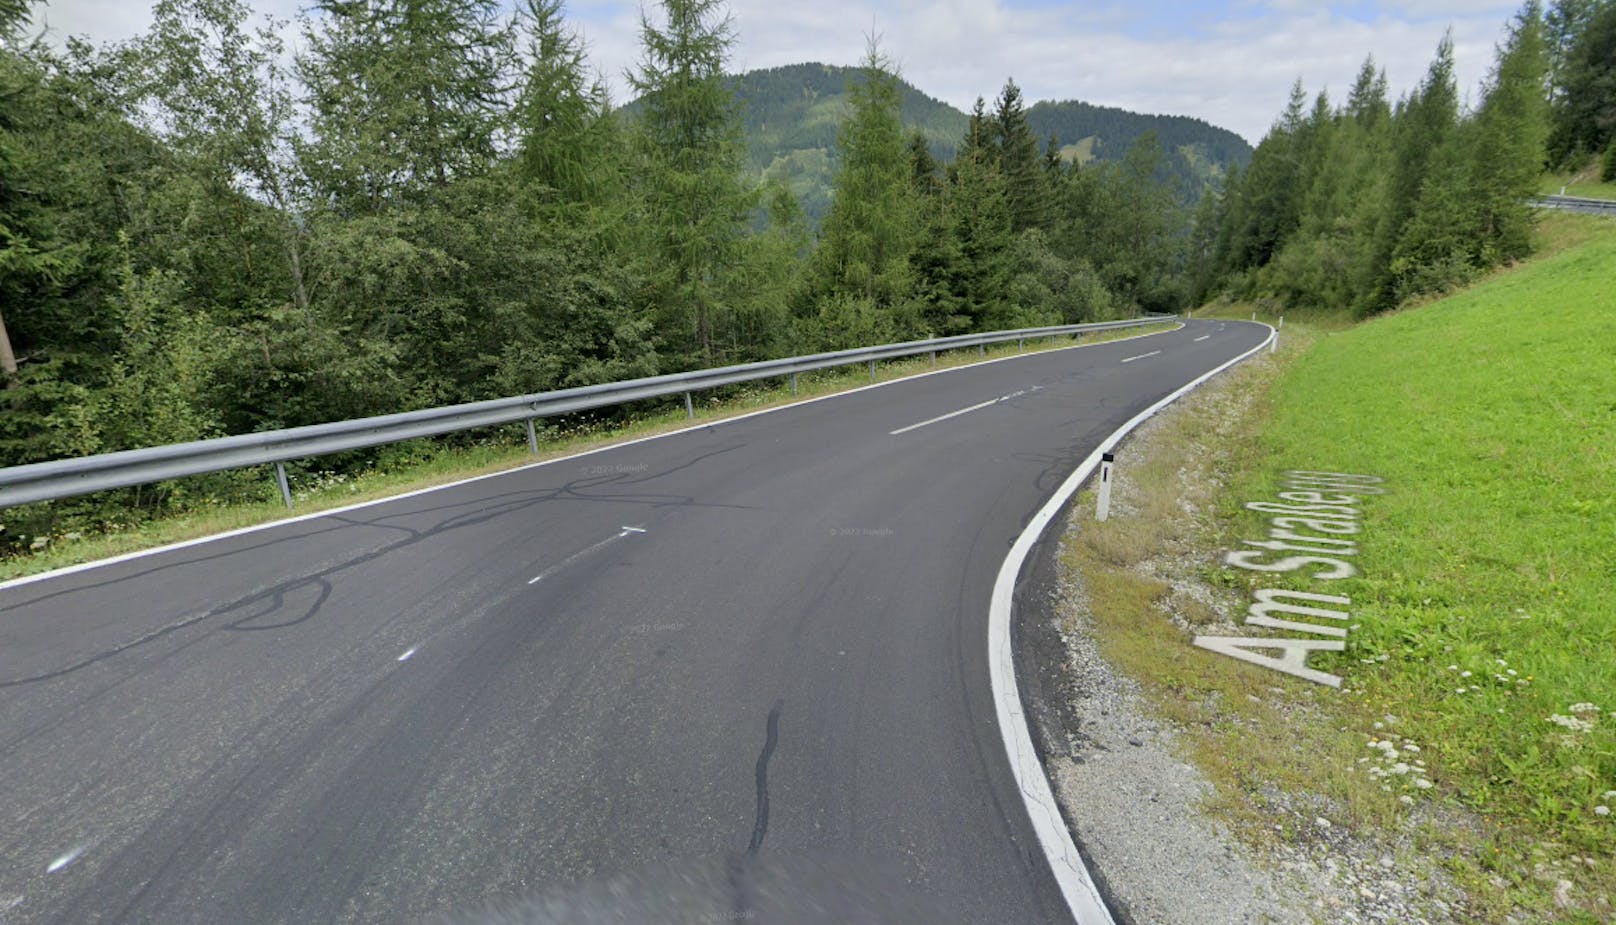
[1018, 161]
[567, 147]
[403, 96]
[1585, 110]
[866, 240]
[1507, 142]
[1424, 129]
[692, 198]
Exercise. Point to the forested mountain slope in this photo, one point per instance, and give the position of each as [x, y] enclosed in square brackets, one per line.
[790, 115]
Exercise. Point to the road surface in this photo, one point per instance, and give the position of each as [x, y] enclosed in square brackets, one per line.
[746, 663]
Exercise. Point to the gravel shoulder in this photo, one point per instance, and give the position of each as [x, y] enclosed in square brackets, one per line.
[1164, 844]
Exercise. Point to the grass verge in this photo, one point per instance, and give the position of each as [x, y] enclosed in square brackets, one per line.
[1585, 185]
[1483, 647]
[425, 463]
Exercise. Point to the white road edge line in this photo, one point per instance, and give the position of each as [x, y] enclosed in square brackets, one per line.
[1202, 337]
[1142, 356]
[312, 515]
[1066, 863]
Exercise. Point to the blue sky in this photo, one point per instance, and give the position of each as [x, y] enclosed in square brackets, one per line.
[1230, 62]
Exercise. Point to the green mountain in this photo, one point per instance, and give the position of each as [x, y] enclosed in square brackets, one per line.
[791, 115]
[1200, 152]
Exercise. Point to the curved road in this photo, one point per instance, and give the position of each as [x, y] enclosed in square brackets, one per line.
[740, 671]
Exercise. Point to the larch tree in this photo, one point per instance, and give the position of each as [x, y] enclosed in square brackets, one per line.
[1507, 142]
[694, 203]
[867, 238]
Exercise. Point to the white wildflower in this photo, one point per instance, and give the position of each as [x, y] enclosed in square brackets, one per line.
[1571, 722]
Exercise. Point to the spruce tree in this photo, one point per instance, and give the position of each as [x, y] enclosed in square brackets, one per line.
[1585, 111]
[1018, 160]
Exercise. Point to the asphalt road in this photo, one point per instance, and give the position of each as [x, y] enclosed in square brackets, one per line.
[733, 674]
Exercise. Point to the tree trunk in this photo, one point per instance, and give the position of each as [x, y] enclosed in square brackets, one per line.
[8, 360]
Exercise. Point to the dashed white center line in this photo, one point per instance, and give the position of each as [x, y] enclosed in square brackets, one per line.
[406, 656]
[66, 859]
[622, 532]
[954, 414]
[1142, 356]
[1202, 337]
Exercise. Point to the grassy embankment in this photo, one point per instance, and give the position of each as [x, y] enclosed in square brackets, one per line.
[1483, 641]
[1585, 184]
[424, 463]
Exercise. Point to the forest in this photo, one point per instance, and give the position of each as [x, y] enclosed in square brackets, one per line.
[436, 201]
[1365, 205]
[790, 117]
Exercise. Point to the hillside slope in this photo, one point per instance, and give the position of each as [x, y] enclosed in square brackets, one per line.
[791, 115]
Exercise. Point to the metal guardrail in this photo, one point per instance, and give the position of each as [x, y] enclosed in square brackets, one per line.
[66, 478]
[1576, 204]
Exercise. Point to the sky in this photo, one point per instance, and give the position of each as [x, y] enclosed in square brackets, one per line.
[1231, 63]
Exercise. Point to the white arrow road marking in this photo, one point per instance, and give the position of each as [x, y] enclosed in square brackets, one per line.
[1142, 356]
[954, 414]
[622, 532]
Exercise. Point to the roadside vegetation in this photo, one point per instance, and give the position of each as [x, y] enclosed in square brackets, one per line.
[207, 233]
[243, 498]
[1475, 724]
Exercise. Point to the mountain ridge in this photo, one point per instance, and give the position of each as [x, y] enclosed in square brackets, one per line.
[791, 113]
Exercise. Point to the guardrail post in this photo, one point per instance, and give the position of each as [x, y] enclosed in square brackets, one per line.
[934, 358]
[690, 408]
[1103, 510]
[872, 370]
[793, 383]
[1021, 345]
[532, 438]
[286, 489]
[981, 350]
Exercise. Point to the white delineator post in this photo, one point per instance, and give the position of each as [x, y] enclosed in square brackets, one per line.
[1104, 509]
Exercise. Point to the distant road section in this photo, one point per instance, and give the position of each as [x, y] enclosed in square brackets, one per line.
[1577, 204]
[747, 661]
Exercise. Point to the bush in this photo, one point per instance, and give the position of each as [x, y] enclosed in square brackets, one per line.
[1607, 168]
